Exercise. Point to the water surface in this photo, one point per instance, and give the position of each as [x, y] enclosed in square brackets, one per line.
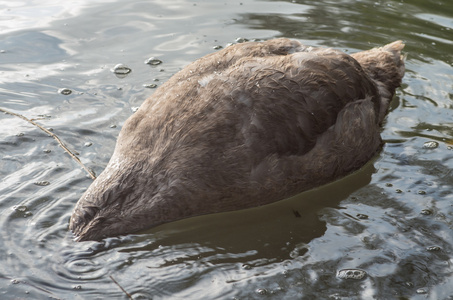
[392, 220]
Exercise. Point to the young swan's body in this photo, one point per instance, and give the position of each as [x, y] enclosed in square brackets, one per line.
[242, 127]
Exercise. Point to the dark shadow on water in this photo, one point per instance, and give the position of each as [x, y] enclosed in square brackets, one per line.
[271, 232]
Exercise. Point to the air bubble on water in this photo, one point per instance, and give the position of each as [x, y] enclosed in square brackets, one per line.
[246, 266]
[431, 145]
[362, 216]
[217, 47]
[426, 212]
[15, 281]
[88, 144]
[398, 191]
[21, 208]
[135, 108]
[113, 126]
[121, 70]
[422, 291]
[351, 274]
[42, 183]
[152, 61]
[421, 192]
[150, 85]
[241, 40]
[28, 214]
[65, 91]
[261, 291]
[47, 151]
[433, 248]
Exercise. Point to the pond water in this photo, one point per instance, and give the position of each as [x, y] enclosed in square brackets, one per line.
[390, 224]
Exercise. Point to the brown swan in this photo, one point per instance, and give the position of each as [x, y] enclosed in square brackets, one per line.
[249, 125]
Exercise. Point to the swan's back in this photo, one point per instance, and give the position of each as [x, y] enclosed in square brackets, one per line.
[246, 126]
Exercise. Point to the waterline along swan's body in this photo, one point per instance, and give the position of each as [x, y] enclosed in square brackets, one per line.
[242, 127]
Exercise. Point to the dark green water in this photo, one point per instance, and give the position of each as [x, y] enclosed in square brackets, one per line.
[393, 219]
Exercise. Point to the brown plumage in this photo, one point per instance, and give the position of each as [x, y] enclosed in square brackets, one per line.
[242, 127]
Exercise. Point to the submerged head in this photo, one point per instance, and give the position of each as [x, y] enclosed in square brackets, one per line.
[116, 202]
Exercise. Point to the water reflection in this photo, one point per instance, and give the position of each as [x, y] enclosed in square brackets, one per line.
[231, 248]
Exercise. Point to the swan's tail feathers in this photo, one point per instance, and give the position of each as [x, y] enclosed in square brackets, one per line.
[395, 49]
[385, 66]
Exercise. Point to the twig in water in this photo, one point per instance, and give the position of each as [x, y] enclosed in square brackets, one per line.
[127, 294]
[55, 137]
